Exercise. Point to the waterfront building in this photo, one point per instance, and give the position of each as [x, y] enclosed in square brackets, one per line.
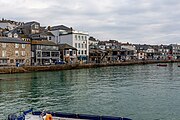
[162, 52]
[44, 52]
[175, 51]
[13, 51]
[77, 39]
[128, 51]
[105, 51]
[145, 52]
[68, 53]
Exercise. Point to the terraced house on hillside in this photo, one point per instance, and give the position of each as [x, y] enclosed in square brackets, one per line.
[14, 50]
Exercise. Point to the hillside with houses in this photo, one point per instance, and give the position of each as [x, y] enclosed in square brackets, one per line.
[30, 44]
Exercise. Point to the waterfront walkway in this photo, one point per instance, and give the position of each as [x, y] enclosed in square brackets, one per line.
[25, 69]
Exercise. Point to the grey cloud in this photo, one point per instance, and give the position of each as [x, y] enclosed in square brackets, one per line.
[136, 21]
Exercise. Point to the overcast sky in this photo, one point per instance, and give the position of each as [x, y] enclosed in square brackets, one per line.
[134, 21]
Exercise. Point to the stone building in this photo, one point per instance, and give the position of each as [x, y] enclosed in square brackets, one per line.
[13, 51]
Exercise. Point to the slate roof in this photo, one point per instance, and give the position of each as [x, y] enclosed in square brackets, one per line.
[66, 46]
[30, 23]
[60, 27]
[12, 40]
[142, 47]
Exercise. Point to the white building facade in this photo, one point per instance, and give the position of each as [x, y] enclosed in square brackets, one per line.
[77, 39]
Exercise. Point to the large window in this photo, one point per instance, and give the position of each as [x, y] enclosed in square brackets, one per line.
[75, 45]
[23, 53]
[16, 45]
[85, 52]
[3, 61]
[23, 45]
[75, 37]
[71, 53]
[17, 53]
[74, 52]
[36, 26]
[3, 53]
[45, 54]
[54, 54]
[79, 45]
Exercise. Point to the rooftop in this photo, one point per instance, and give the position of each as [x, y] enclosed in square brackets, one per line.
[12, 40]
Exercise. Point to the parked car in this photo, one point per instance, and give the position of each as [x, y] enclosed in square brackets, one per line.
[59, 62]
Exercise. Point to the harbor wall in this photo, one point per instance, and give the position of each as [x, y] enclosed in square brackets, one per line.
[25, 69]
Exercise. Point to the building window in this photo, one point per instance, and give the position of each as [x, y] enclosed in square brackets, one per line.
[79, 52]
[23, 53]
[82, 45]
[85, 52]
[3, 53]
[79, 37]
[74, 52]
[79, 45]
[75, 45]
[49, 38]
[23, 45]
[4, 45]
[75, 37]
[82, 52]
[85, 38]
[11, 61]
[16, 45]
[71, 53]
[82, 37]
[3, 61]
[17, 53]
[36, 26]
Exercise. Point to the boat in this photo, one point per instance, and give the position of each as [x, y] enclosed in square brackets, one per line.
[162, 65]
[44, 115]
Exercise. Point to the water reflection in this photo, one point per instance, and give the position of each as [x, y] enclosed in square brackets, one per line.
[139, 92]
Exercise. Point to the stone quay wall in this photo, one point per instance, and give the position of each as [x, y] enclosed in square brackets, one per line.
[26, 69]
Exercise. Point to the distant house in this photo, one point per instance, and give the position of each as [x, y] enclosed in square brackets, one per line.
[44, 52]
[97, 55]
[77, 39]
[145, 52]
[93, 41]
[31, 28]
[43, 36]
[14, 50]
[68, 53]
[128, 51]
[175, 51]
[9, 24]
[17, 33]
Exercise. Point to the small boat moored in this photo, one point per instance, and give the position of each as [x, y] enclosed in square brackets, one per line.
[162, 65]
[31, 115]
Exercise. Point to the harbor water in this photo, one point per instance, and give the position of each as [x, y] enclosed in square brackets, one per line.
[140, 92]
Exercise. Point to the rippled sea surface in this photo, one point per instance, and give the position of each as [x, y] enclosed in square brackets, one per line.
[140, 92]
